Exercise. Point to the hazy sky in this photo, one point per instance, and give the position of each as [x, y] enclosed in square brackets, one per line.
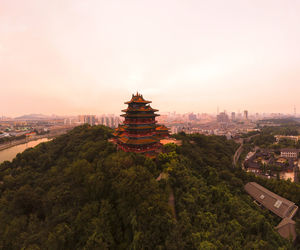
[89, 56]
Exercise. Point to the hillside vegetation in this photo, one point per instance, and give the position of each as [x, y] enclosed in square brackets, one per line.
[78, 192]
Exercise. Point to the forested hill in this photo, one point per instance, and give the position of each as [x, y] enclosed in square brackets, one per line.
[78, 192]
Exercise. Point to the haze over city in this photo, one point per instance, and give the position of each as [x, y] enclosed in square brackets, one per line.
[73, 57]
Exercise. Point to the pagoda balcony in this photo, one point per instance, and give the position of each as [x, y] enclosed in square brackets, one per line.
[139, 122]
[139, 135]
[139, 150]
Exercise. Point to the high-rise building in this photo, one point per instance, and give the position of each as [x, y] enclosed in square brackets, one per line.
[222, 117]
[106, 123]
[112, 122]
[192, 117]
[81, 118]
[246, 114]
[102, 120]
[139, 132]
[89, 119]
[232, 116]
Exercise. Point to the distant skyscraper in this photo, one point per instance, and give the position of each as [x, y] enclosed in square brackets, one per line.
[222, 117]
[107, 122]
[246, 114]
[102, 120]
[89, 119]
[81, 118]
[232, 116]
[192, 117]
[112, 122]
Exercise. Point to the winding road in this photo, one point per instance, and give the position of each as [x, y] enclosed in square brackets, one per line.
[238, 152]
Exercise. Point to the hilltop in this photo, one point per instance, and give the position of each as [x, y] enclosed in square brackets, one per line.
[78, 192]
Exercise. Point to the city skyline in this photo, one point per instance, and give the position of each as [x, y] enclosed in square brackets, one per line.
[75, 57]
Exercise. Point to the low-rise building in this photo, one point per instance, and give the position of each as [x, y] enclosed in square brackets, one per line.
[278, 205]
[289, 153]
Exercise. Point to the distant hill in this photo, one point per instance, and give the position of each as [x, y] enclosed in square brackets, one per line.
[33, 117]
[78, 192]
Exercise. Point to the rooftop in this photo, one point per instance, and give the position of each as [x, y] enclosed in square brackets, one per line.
[277, 204]
[142, 108]
[138, 98]
[286, 228]
[139, 115]
[162, 128]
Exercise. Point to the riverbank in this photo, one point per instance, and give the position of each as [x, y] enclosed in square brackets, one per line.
[10, 153]
[32, 138]
[23, 141]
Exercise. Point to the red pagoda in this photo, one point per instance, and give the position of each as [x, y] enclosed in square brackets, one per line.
[139, 132]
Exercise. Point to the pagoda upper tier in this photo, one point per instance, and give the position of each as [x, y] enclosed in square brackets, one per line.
[140, 109]
[138, 98]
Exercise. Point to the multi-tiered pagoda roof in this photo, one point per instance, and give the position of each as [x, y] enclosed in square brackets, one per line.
[139, 132]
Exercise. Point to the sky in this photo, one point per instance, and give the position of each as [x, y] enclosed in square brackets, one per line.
[70, 57]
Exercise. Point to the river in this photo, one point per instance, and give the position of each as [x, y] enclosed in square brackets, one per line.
[10, 153]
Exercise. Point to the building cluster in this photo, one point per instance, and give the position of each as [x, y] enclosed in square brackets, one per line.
[30, 126]
[269, 162]
[221, 124]
[223, 117]
[111, 121]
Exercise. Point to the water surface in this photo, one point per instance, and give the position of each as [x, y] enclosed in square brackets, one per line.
[10, 153]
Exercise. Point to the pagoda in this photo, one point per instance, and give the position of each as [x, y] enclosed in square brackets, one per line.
[139, 132]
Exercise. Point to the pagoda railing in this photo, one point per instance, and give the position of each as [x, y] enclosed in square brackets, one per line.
[139, 122]
[139, 135]
[139, 150]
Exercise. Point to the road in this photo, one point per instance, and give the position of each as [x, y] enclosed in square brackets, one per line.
[238, 152]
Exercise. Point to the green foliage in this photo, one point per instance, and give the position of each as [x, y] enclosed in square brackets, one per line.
[12, 138]
[78, 192]
[286, 129]
[266, 138]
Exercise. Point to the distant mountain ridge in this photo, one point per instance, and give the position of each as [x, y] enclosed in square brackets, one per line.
[34, 117]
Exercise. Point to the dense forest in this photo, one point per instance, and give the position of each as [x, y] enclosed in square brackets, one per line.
[79, 192]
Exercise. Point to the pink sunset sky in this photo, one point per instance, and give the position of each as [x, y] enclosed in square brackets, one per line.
[88, 56]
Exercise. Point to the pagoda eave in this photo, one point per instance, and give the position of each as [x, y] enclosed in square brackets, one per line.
[143, 102]
[138, 142]
[141, 128]
[139, 115]
[139, 110]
